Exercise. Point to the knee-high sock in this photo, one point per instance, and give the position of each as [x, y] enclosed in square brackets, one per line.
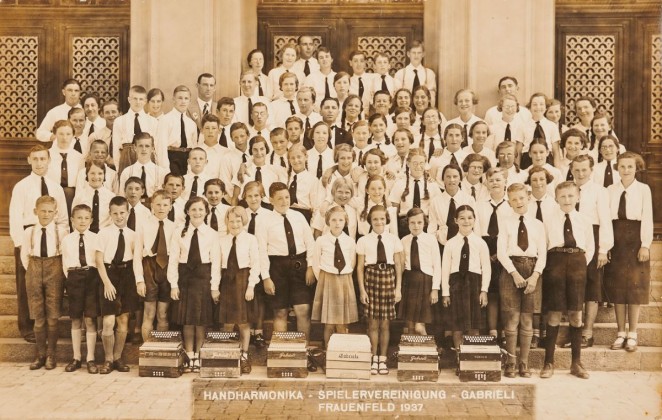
[91, 340]
[120, 339]
[76, 339]
[550, 343]
[576, 343]
[53, 335]
[511, 344]
[108, 345]
[40, 338]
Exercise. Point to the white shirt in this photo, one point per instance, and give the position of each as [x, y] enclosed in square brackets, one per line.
[168, 134]
[480, 190]
[248, 254]
[428, 256]
[466, 125]
[388, 149]
[308, 189]
[220, 210]
[594, 204]
[22, 204]
[31, 241]
[274, 78]
[85, 195]
[479, 260]
[313, 118]
[230, 163]
[60, 112]
[515, 175]
[367, 246]
[392, 84]
[484, 213]
[300, 65]
[550, 129]
[241, 108]
[638, 206]
[210, 253]
[600, 171]
[485, 152]
[366, 80]
[426, 77]
[498, 133]
[507, 243]
[440, 162]
[142, 213]
[71, 248]
[214, 155]
[318, 222]
[108, 238]
[123, 129]
[189, 179]
[270, 174]
[316, 80]
[146, 234]
[439, 213]
[264, 81]
[99, 124]
[493, 115]
[154, 176]
[323, 255]
[313, 160]
[423, 141]
[364, 224]
[280, 110]
[582, 231]
[554, 172]
[548, 205]
[407, 204]
[75, 161]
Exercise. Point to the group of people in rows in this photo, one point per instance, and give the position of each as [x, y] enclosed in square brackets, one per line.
[334, 196]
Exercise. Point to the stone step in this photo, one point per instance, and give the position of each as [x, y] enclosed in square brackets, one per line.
[6, 246]
[604, 334]
[7, 284]
[656, 290]
[651, 313]
[7, 265]
[8, 305]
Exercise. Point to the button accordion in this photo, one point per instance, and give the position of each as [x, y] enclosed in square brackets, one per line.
[219, 355]
[287, 355]
[418, 359]
[348, 356]
[479, 359]
[162, 355]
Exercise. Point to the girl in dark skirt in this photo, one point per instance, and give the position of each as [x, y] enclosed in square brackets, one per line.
[240, 258]
[422, 277]
[465, 277]
[194, 271]
[627, 276]
[379, 270]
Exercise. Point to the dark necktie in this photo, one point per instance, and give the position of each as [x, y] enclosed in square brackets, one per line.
[360, 88]
[465, 136]
[244, 159]
[223, 140]
[450, 220]
[508, 136]
[415, 259]
[233, 262]
[591, 138]
[609, 176]
[136, 125]
[194, 259]
[205, 110]
[143, 178]
[194, 188]
[346, 228]
[384, 87]
[250, 111]
[622, 214]
[251, 224]
[81, 251]
[44, 187]
[417, 194]
[431, 149]
[259, 87]
[293, 190]
[327, 92]
[569, 176]
[43, 247]
[282, 162]
[539, 210]
[360, 158]
[289, 235]
[473, 192]
[319, 167]
[119, 252]
[493, 227]
[182, 134]
[159, 248]
[568, 237]
[577, 204]
[381, 251]
[94, 227]
[538, 134]
[89, 133]
[213, 220]
[306, 68]
[417, 82]
[338, 257]
[453, 159]
[522, 235]
[292, 110]
[77, 146]
[171, 214]
[258, 174]
[131, 223]
[64, 173]
[464, 256]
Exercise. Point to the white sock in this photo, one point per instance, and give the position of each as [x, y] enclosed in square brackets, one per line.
[258, 331]
[91, 338]
[76, 337]
[632, 335]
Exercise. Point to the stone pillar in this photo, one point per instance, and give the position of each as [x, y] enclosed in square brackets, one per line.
[172, 42]
[473, 43]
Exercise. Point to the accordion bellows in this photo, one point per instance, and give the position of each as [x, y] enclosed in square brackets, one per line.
[287, 356]
[480, 359]
[348, 356]
[219, 355]
[418, 359]
[162, 355]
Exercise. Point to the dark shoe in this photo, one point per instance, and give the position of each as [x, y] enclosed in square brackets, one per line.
[245, 364]
[631, 344]
[312, 367]
[535, 340]
[258, 341]
[120, 366]
[510, 371]
[106, 368]
[74, 365]
[50, 363]
[524, 370]
[92, 368]
[547, 371]
[30, 338]
[578, 370]
[587, 342]
[38, 363]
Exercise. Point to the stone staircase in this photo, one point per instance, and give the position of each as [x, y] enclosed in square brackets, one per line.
[648, 358]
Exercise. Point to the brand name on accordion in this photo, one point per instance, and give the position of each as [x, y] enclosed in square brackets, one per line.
[348, 356]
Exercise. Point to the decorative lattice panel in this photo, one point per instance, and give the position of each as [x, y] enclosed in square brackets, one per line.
[590, 71]
[656, 89]
[395, 47]
[19, 65]
[96, 65]
[280, 41]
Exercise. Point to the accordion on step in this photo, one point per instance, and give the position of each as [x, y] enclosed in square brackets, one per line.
[287, 356]
[162, 355]
[480, 359]
[418, 359]
[348, 356]
[219, 355]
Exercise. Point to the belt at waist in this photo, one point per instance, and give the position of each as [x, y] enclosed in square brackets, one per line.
[566, 250]
[123, 264]
[522, 258]
[86, 268]
[288, 257]
[179, 149]
[380, 266]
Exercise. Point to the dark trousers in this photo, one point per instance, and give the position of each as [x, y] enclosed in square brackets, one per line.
[178, 162]
[25, 324]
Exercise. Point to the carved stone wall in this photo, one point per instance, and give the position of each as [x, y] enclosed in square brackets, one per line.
[19, 67]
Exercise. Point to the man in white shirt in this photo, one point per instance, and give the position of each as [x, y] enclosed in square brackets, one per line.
[415, 74]
[359, 83]
[71, 93]
[204, 103]
[306, 99]
[225, 111]
[322, 80]
[507, 85]
[306, 63]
